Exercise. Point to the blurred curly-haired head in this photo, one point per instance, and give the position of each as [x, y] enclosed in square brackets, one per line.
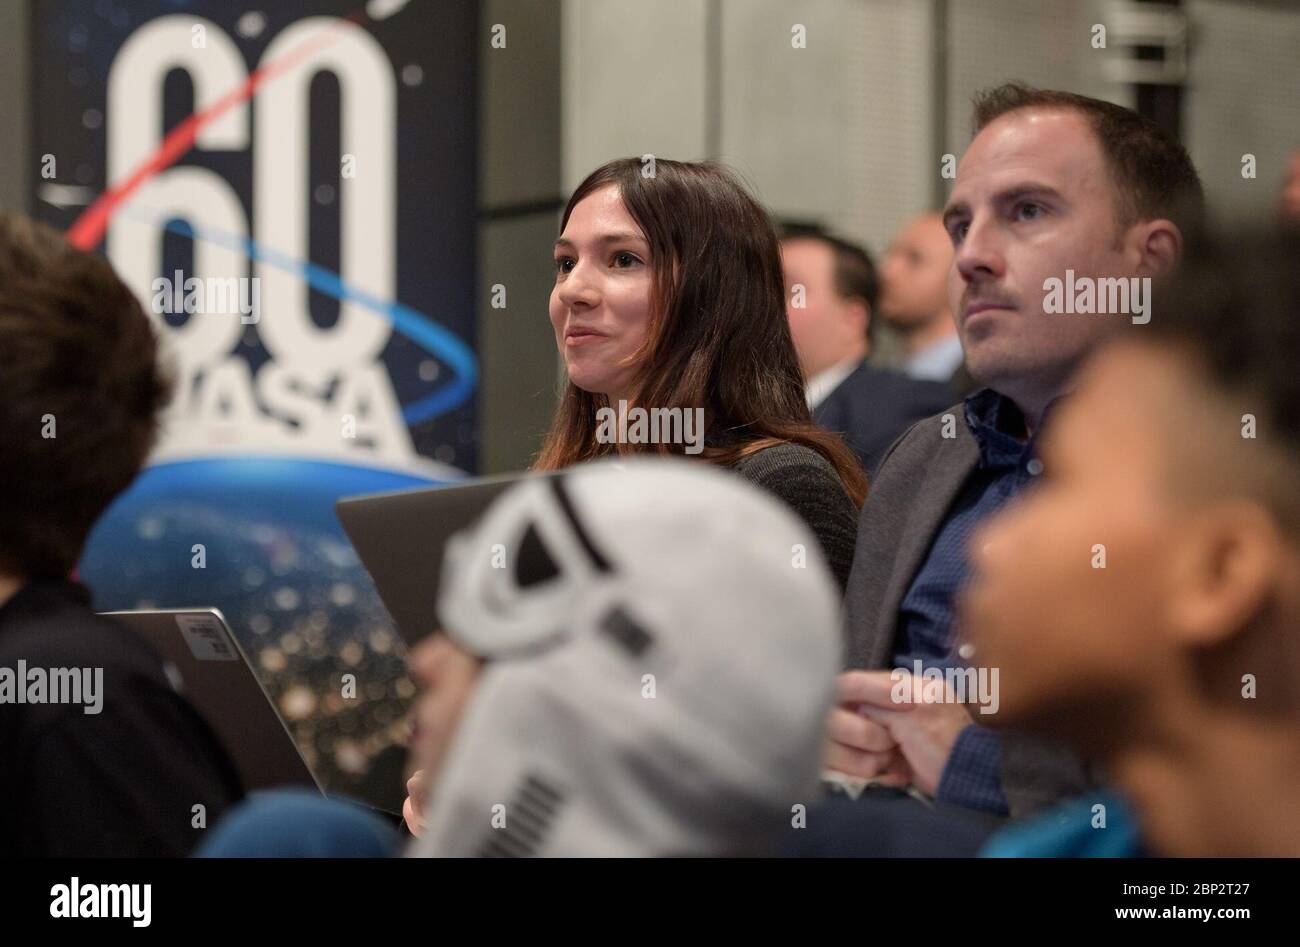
[81, 388]
[1233, 306]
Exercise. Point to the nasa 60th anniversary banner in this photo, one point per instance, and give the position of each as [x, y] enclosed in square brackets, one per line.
[289, 189]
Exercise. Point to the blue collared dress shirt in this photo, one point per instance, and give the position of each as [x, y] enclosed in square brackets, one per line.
[1007, 463]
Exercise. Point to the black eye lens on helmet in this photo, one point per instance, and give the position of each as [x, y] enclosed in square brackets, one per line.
[533, 564]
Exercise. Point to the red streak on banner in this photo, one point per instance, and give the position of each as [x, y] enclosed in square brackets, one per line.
[89, 228]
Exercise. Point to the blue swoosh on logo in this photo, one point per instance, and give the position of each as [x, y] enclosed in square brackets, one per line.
[413, 325]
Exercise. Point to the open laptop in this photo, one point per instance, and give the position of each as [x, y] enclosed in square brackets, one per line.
[401, 538]
[206, 664]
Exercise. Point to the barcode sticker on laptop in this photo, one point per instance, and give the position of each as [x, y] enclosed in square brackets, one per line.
[206, 638]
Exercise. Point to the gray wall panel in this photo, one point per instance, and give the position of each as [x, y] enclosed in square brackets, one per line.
[16, 167]
[516, 345]
[1043, 42]
[520, 159]
[837, 131]
[635, 80]
[1244, 97]
[520, 95]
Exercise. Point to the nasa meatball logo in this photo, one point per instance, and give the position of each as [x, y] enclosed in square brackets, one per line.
[290, 191]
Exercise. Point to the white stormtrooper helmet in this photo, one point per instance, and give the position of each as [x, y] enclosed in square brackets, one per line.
[661, 640]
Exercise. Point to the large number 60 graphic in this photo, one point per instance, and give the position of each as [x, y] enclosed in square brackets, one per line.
[281, 209]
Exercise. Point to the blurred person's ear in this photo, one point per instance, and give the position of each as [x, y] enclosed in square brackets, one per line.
[1227, 566]
[9, 586]
[1158, 246]
[859, 313]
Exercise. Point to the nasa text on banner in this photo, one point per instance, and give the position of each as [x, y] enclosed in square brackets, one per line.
[291, 193]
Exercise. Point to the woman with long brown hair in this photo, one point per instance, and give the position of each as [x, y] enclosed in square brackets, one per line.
[669, 294]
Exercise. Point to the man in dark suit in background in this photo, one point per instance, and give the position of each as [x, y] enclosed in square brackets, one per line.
[831, 296]
[1053, 187]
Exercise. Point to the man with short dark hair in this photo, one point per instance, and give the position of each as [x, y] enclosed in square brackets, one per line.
[120, 764]
[1054, 189]
[831, 296]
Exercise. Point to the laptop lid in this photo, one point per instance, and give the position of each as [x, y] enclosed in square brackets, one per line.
[204, 660]
[401, 538]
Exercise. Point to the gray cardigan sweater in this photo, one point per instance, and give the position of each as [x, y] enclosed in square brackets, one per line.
[809, 485]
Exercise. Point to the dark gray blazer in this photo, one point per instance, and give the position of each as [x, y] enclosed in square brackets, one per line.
[914, 487]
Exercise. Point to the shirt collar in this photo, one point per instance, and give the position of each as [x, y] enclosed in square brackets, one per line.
[938, 361]
[828, 379]
[996, 424]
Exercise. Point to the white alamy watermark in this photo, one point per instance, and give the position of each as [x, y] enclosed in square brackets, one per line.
[947, 685]
[35, 685]
[1085, 295]
[134, 901]
[651, 426]
[233, 296]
